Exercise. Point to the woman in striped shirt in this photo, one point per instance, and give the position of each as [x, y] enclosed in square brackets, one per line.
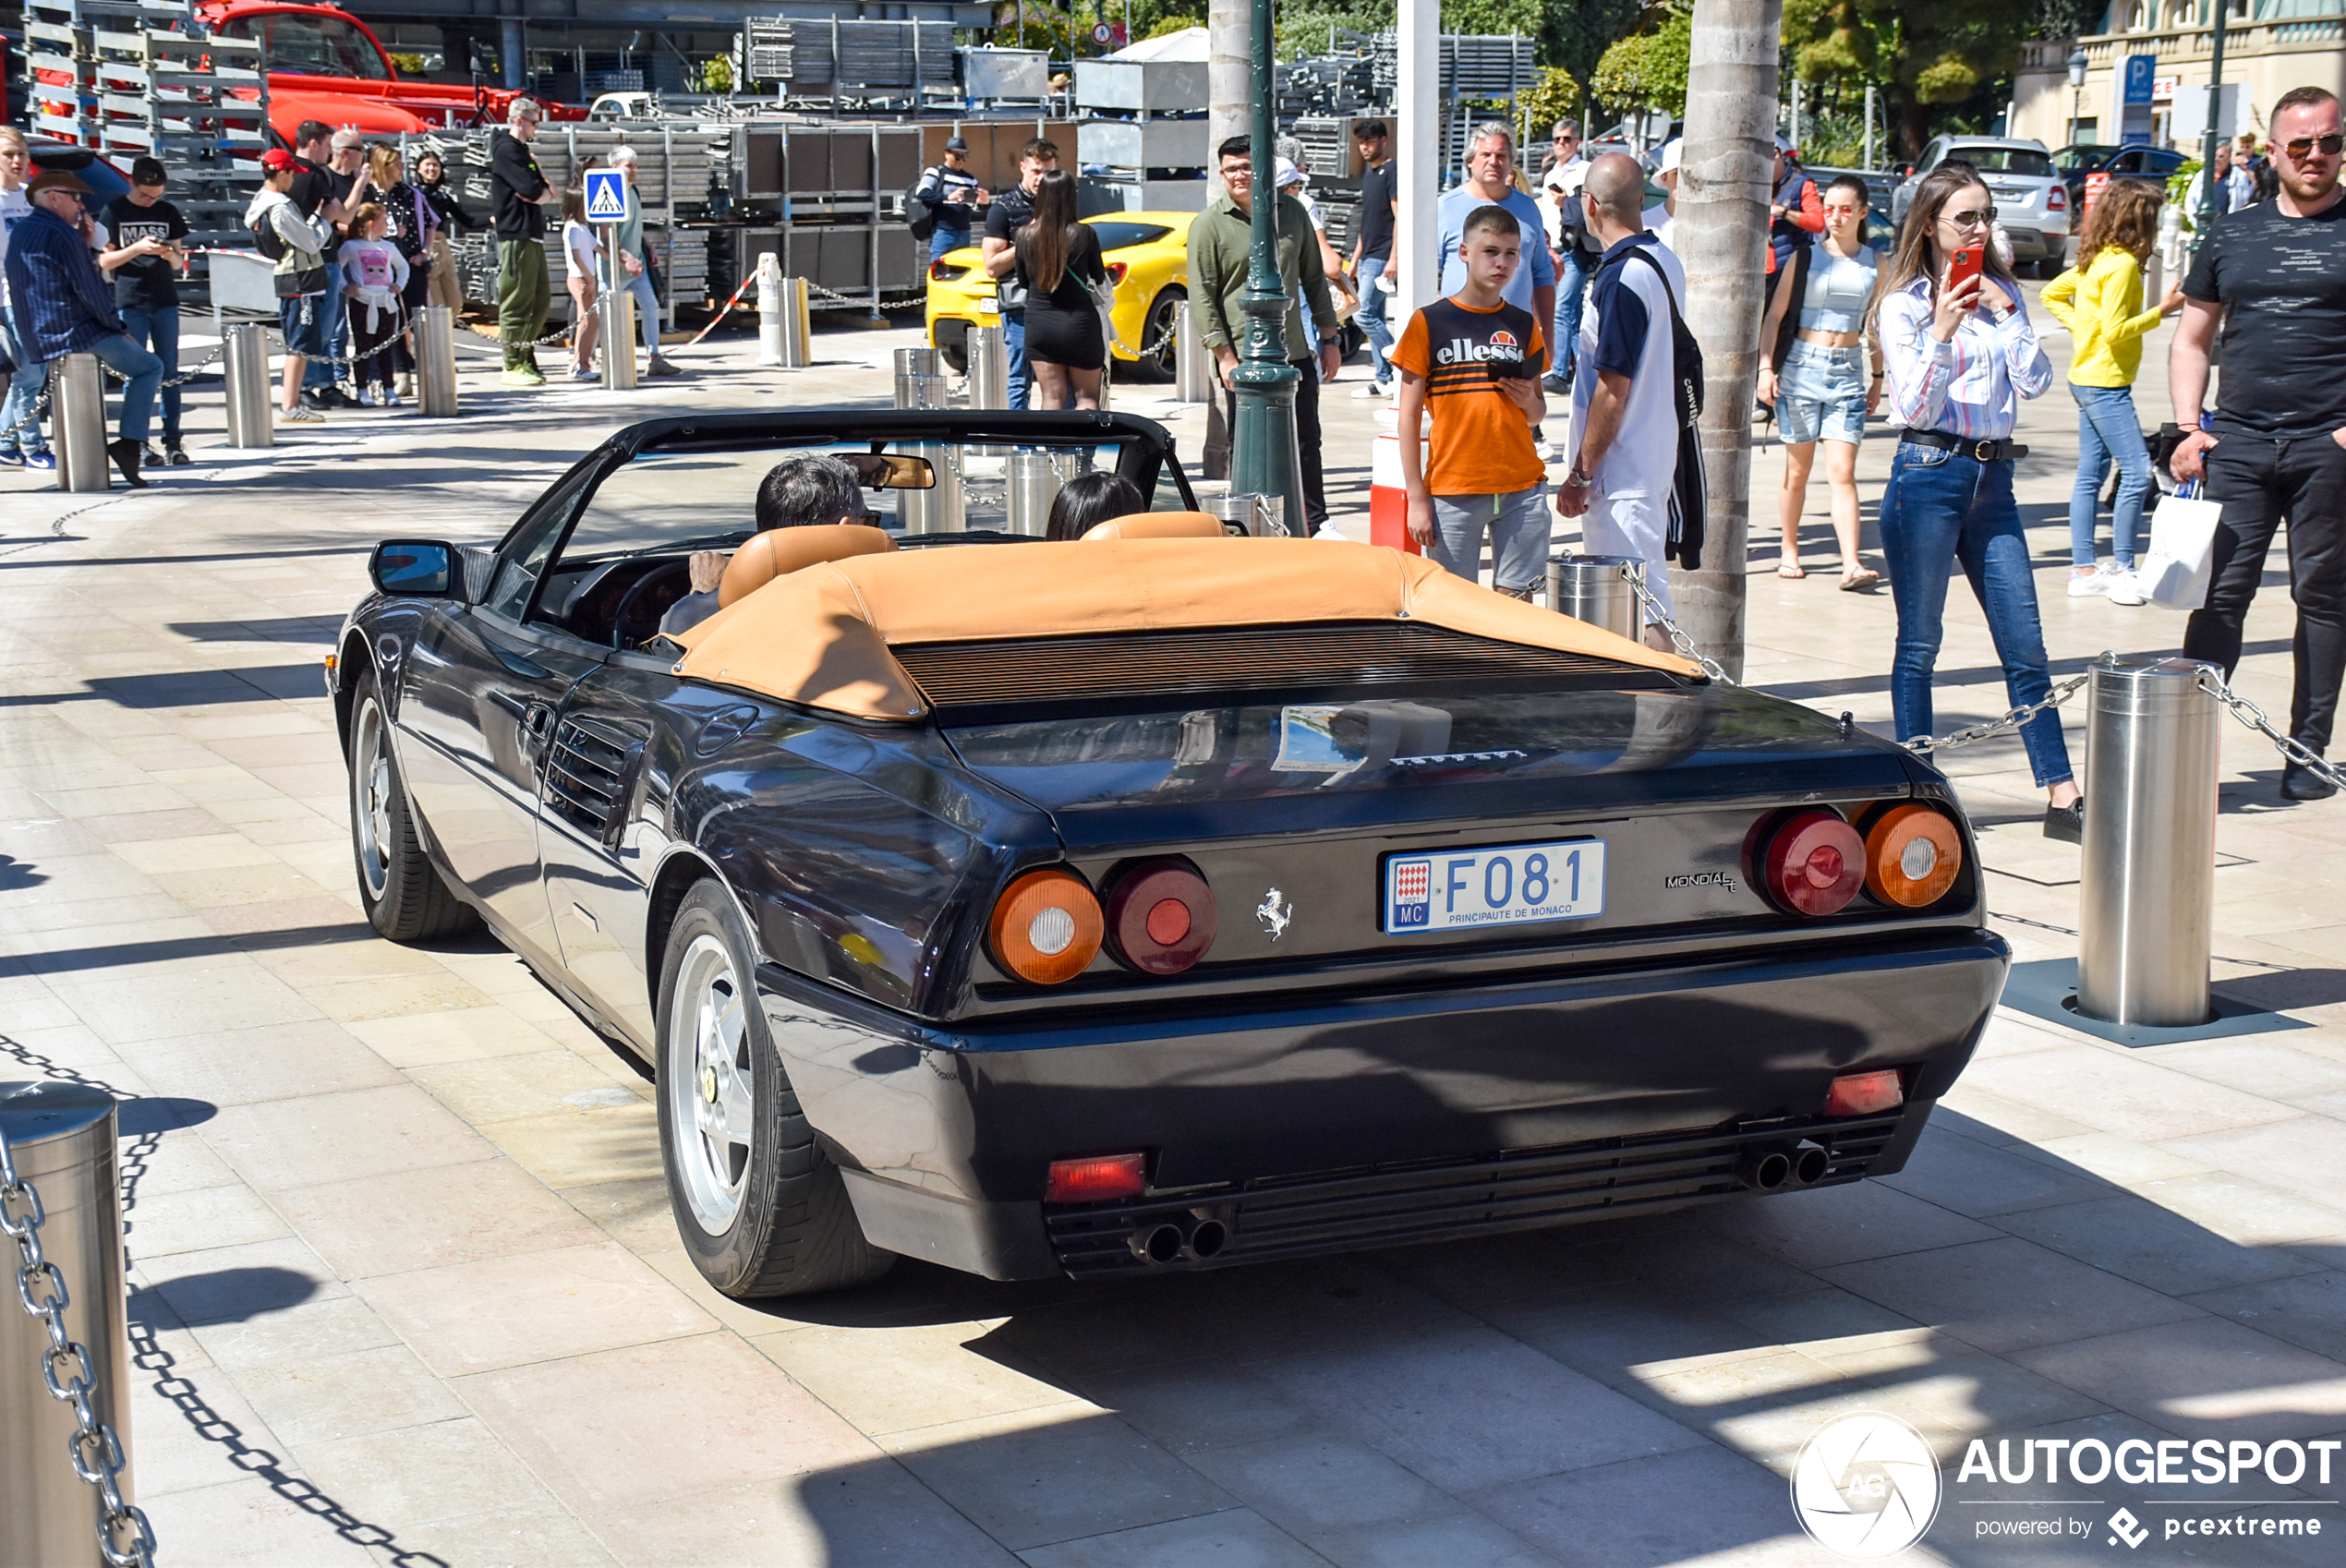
[1959, 358]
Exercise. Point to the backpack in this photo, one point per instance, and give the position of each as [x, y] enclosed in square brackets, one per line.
[1689, 501]
[919, 216]
[266, 240]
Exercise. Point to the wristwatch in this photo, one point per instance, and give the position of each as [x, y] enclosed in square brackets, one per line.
[1576, 480]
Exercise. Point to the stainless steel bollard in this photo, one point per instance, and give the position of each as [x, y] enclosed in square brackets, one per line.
[436, 362]
[1192, 367]
[1033, 480]
[771, 324]
[615, 346]
[77, 421]
[1259, 516]
[919, 382]
[798, 334]
[942, 509]
[61, 1137]
[252, 411]
[989, 368]
[1597, 589]
[2146, 897]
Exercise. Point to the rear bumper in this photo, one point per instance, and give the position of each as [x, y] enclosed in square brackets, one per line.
[1336, 1123]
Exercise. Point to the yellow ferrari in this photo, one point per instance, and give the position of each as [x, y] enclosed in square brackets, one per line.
[1147, 256]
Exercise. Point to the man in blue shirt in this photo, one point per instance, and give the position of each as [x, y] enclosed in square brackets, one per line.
[1490, 181]
[64, 306]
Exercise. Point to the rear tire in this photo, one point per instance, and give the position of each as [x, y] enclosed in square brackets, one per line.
[404, 894]
[759, 1206]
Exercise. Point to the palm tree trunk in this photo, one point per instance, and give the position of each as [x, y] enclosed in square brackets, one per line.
[1723, 238]
[1230, 82]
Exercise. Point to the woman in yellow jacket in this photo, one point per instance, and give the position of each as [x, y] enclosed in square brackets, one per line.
[2100, 301]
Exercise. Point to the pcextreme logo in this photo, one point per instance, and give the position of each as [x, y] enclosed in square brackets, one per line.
[1866, 1486]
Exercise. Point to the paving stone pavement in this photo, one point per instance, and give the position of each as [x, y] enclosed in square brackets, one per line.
[406, 1290]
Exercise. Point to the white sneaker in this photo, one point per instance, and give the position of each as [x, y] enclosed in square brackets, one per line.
[2125, 587]
[2088, 581]
[1541, 450]
[1372, 389]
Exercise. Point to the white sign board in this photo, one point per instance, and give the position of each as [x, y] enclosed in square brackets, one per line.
[2187, 117]
[606, 196]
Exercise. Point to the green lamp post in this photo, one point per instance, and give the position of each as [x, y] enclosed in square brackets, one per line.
[1262, 454]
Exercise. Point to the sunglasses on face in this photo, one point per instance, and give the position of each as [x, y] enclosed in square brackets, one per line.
[2303, 148]
[1978, 218]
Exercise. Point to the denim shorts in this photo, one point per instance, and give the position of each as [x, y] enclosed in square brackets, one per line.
[304, 320]
[1822, 394]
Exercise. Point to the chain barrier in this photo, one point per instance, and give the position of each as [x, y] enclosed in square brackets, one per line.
[2249, 713]
[1923, 746]
[1657, 615]
[124, 1536]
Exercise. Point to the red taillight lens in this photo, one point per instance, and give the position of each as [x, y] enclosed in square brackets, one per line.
[1046, 927]
[1096, 1178]
[1857, 1094]
[1814, 864]
[1116, 271]
[1160, 917]
[2057, 199]
[1911, 856]
[943, 272]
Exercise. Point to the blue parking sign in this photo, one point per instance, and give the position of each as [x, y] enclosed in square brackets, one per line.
[606, 196]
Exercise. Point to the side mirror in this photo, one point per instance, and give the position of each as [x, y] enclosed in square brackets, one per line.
[417, 569]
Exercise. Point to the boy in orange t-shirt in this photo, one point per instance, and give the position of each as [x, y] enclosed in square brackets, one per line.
[1478, 360]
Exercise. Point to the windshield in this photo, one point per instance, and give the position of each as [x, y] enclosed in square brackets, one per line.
[1116, 232]
[2027, 162]
[2083, 156]
[311, 45]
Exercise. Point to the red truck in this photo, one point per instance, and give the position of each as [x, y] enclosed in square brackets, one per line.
[326, 64]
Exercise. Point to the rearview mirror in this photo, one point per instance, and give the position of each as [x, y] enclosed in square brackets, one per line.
[416, 569]
[892, 471]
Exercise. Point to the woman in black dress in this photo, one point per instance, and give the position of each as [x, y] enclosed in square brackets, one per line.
[1058, 260]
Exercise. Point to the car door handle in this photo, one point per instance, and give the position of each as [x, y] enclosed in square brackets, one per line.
[536, 722]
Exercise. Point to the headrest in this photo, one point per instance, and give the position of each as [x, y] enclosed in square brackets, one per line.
[777, 552]
[1157, 525]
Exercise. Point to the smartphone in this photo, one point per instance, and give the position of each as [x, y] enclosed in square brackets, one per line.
[1963, 264]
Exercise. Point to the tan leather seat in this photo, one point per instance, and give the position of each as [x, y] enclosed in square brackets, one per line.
[777, 552]
[1157, 525]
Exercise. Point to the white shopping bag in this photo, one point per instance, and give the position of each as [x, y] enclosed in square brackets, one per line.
[2182, 540]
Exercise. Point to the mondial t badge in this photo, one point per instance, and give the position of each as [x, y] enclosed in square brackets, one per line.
[1274, 911]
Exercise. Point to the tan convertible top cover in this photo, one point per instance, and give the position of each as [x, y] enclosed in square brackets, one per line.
[821, 636]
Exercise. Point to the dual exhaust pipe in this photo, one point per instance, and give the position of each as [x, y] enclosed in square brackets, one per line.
[1191, 1237]
[1774, 1170]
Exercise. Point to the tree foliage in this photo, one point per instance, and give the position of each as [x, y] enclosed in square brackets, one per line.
[1925, 55]
[1647, 69]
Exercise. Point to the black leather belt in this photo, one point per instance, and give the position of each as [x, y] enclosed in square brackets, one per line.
[1986, 451]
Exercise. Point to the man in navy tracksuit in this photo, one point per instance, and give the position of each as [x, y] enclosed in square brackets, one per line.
[64, 307]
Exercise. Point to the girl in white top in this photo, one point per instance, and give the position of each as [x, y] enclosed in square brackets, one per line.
[1818, 382]
[579, 258]
[373, 273]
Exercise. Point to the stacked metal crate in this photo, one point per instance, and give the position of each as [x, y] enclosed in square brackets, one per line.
[132, 79]
[830, 57]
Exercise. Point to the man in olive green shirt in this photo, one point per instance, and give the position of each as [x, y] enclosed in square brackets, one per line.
[1221, 240]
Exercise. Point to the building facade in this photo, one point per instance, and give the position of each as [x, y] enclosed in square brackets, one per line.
[2269, 47]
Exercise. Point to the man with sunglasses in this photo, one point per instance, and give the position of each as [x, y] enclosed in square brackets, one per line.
[2274, 276]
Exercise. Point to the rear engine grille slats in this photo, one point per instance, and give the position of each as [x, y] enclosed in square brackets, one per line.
[585, 773]
[1295, 1216]
[1370, 655]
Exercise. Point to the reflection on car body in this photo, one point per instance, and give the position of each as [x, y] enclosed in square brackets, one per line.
[903, 874]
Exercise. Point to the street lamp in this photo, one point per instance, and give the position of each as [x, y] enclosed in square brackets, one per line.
[2077, 63]
[1263, 460]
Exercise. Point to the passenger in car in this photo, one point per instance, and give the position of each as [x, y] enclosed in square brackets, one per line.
[800, 492]
[1091, 499]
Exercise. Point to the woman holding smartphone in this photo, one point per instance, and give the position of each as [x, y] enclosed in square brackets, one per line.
[1960, 355]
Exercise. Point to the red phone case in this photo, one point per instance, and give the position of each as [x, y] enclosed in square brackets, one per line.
[1965, 263]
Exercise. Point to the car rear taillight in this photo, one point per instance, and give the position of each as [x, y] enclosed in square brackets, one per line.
[1160, 917]
[1116, 271]
[1913, 855]
[1047, 926]
[943, 272]
[2057, 199]
[1813, 863]
[1862, 1094]
[1096, 1178]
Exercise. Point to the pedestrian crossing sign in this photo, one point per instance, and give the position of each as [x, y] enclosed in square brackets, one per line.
[606, 196]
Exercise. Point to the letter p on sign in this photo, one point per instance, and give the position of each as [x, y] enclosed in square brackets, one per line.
[606, 196]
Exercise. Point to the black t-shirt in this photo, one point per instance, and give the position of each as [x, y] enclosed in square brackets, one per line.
[1377, 213]
[2282, 284]
[314, 184]
[150, 283]
[1007, 213]
[518, 182]
[1080, 266]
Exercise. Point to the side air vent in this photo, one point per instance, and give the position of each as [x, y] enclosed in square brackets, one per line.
[587, 773]
[1355, 657]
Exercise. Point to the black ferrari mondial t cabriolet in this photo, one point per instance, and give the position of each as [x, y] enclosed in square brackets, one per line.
[1159, 900]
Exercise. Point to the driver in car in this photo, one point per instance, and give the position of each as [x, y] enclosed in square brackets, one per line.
[799, 493]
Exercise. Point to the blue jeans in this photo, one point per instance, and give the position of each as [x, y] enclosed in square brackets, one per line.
[326, 312]
[1941, 509]
[942, 240]
[1014, 349]
[20, 430]
[160, 328]
[639, 288]
[1572, 284]
[2108, 432]
[1372, 319]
